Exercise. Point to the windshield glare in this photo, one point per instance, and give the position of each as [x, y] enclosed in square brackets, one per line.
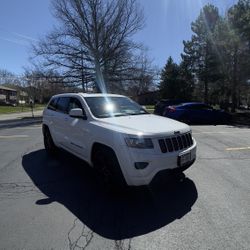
[104, 107]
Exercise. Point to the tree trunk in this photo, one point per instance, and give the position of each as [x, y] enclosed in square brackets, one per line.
[206, 78]
[235, 82]
[205, 91]
[101, 85]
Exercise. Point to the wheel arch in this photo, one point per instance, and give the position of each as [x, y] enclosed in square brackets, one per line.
[118, 171]
[98, 145]
[44, 127]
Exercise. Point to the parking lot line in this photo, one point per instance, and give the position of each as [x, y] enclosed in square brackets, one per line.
[222, 132]
[13, 136]
[33, 127]
[237, 149]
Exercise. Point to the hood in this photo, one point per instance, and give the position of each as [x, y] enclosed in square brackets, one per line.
[143, 124]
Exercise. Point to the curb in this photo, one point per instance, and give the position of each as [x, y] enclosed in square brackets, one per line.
[18, 122]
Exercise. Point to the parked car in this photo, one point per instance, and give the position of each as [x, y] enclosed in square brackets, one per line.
[197, 113]
[243, 107]
[162, 104]
[117, 136]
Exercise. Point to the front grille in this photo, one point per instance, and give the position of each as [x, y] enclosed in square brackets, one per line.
[176, 143]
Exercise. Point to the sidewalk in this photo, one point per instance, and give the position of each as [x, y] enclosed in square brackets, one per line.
[20, 119]
[20, 115]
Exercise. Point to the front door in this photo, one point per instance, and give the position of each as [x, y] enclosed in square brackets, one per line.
[78, 133]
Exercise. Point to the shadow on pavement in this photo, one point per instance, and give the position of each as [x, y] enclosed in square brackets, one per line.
[22, 122]
[75, 185]
[235, 125]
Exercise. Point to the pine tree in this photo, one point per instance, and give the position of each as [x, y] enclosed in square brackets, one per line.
[176, 81]
[232, 39]
[200, 52]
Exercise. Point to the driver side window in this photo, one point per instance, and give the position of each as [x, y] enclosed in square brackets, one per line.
[74, 103]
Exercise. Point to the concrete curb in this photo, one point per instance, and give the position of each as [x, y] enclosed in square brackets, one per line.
[20, 122]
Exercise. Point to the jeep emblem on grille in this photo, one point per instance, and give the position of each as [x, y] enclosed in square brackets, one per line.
[177, 132]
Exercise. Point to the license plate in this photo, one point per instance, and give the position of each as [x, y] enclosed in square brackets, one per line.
[184, 159]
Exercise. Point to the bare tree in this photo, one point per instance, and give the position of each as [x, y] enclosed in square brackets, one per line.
[41, 84]
[92, 42]
[141, 75]
[8, 78]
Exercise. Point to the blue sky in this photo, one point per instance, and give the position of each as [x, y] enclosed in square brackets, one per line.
[167, 25]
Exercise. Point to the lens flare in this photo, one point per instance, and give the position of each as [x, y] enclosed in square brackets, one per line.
[110, 107]
[100, 79]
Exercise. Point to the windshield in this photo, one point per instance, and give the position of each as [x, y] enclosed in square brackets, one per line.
[104, 107]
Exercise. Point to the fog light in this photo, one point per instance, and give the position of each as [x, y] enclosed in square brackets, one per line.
[141, 165]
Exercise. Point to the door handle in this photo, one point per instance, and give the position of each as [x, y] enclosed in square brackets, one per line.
[66, 119]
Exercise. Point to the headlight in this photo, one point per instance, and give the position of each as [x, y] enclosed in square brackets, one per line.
[137, 142]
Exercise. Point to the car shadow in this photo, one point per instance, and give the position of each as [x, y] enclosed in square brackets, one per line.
[74, 184]
[235, 125]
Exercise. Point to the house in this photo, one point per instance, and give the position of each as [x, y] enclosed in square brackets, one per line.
[23, 97]
[8, 95]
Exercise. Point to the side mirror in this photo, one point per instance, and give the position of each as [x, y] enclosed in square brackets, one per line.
[77, 113]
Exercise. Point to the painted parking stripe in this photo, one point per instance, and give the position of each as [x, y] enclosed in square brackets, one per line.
[222, 132]
[24, 128]
[13, 136]
[237, 149]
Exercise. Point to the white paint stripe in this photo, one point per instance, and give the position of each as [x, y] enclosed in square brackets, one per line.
[13, 136]
[24, 128]
[238, 132]
[237, 149]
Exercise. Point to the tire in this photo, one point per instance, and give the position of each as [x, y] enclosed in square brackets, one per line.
[107, 165]
[180, 177]
[49, 144]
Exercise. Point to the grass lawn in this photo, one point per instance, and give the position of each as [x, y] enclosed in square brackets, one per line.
[150, 108]
[20, 108]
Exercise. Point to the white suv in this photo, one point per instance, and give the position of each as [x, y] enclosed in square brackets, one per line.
[117, 136]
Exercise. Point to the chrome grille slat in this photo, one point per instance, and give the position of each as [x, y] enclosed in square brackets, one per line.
[169, 145]
[184, 140]
[190, 138]
[188, 141]
[163, 146]
[180, 142]
[175, 143]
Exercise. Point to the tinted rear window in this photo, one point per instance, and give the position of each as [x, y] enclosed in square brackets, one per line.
[198, 107]
[52, 104]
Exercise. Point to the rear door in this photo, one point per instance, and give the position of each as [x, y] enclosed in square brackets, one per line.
[60, 121]
[49, 116]
[201, 114]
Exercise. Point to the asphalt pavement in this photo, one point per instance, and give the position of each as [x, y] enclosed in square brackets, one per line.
[59, 203]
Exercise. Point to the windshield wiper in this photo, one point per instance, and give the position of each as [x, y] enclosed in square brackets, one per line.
[117, 115]
[138, 113]
[112, 115]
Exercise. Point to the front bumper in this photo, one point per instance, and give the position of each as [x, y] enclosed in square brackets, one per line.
[156, 163]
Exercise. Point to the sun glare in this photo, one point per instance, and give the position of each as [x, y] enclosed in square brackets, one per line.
[110, 107]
